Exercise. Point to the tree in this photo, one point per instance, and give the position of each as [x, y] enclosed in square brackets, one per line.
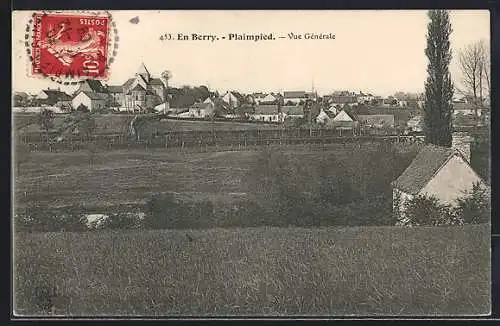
[82, 108]
[438, 86]
[475, 205]
[87, 125]
[46, 121]
[475, 68]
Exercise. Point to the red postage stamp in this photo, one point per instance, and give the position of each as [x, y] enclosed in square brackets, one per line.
[71, 46]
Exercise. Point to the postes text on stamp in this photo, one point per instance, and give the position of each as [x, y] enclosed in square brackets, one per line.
[72, 46]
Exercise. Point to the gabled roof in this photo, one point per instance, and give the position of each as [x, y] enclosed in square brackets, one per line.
[128, 82]
[22, 94]
[143, 70]
[294, 94]
[56, 95]
[138, 87]
[115, 89]
[266, 109]
[423, 168]
[95, 85]
[349, 113]
[156, 81]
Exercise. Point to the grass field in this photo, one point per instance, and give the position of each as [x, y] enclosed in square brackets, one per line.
[119, 124]
[257, 271]
[121, 177]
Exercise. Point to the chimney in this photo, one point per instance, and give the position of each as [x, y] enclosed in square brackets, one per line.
[461, 141]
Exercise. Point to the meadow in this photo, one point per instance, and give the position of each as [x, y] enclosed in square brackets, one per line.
[131, 177]
[365, 271]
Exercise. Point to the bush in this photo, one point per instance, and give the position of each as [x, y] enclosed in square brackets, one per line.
[427, 210]
[475, 206]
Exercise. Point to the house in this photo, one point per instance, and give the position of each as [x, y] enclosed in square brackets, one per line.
[294, 97]
[268, 113]
[116, 96]
[324, 116]
[341, 100]
[363, 98]
[344, 116]
[292, 111]
[402, 103]
[233, 99]
[266, 99]
[376, 120]
[21, 99]
[334, 109]
[143, 92]
[344, 120]
[202, 110]
[93, 101]
[436, 171]
[53, 97]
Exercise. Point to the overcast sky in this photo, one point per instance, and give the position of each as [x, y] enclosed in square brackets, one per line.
[374, 51]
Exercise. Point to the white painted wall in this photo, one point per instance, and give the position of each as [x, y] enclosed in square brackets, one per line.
[342, 116]
[454, 179]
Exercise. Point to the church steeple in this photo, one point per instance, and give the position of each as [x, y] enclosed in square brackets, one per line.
[143, 71]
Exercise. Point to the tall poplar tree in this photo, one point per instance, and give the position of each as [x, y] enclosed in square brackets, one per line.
[438, 87]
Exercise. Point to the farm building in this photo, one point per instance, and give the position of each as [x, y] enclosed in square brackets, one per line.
[376, 120]
[93, 101]
[294, 97]
[202, 110]
[436, 171]
[233, 99]
[269, 113]
[53, 97]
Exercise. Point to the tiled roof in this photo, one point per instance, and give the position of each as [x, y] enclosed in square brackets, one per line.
[421, 170]
[156, 81]
[55, 95]
[128, 82]
[294, 94]
[95, 85]
[266, 109]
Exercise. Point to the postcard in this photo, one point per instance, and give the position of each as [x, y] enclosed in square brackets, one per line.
[171, 163]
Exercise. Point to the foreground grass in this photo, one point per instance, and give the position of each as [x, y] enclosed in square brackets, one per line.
[258, 271]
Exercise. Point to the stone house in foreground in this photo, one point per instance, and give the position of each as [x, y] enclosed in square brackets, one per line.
[436, 171]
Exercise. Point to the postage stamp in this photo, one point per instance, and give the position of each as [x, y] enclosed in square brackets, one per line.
[70, 45]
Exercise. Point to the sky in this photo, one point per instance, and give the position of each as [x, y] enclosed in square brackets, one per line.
[376, 51]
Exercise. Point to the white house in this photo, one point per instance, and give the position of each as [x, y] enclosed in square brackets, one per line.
[91, 100]
[402, 103]
[436, 171]
[202, 110]
[324, 116]
[268, 99]
[233, 99]
[268, 113]
[294, 97]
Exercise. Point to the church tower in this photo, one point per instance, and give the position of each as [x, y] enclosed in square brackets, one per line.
[143, 71]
